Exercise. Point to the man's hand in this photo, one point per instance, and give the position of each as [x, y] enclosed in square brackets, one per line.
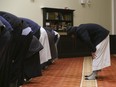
[93, 55]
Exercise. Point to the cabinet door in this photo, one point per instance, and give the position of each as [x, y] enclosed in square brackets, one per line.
[82, 49]
[66, 46]
[113, 44]
[70, 46]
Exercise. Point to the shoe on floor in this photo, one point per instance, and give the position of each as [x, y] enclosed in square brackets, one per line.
[91, 76]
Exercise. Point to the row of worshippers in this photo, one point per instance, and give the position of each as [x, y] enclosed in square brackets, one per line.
[25, 49]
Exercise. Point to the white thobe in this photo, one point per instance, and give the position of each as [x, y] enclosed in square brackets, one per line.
[45, 53]
[102, 53]
[56, 33]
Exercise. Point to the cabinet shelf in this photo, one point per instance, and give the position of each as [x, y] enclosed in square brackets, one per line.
[57, 19]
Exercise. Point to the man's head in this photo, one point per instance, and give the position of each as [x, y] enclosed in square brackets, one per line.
[71, 30]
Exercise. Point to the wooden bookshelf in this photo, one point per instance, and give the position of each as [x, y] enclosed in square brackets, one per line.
[57, 19]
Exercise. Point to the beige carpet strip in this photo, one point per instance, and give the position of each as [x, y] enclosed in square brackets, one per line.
[87, 69]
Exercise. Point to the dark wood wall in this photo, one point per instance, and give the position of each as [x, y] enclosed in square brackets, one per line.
[69, 46]
[113, 44]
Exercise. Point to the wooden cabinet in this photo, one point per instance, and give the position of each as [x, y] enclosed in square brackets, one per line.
[57, 19]
[66, 46]
[70, 46]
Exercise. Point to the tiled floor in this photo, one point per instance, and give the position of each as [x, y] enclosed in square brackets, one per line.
[65, 72]
[107, 77]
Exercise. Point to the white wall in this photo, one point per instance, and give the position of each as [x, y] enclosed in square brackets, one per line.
[23, 8]
[98, 12]
[114, 17]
